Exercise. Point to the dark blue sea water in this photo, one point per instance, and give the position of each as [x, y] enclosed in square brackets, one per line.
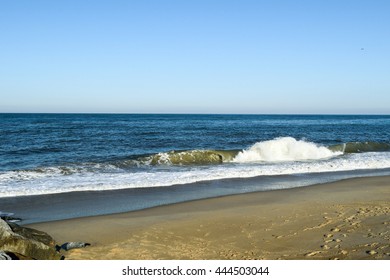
[178, 157]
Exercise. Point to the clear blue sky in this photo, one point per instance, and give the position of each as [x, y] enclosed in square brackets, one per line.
[195, 56]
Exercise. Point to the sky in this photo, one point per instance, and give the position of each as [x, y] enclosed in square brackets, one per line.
[195, 56]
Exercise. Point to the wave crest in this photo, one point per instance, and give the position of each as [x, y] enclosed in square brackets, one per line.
[284, 149]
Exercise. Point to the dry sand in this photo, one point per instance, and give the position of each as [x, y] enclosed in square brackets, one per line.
[348, 219]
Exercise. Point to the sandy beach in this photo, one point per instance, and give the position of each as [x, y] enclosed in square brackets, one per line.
[348, 219]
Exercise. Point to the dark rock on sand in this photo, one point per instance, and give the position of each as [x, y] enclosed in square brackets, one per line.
[72, 245]
[30, 243]
[33, 234]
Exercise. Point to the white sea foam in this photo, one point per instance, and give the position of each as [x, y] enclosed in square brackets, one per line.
[284, 149]
[34, 183]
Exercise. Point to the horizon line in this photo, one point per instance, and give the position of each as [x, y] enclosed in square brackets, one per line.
[156, 113]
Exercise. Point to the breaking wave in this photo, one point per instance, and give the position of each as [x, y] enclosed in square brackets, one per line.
[17, 183]
[279, 156]
[284, 149]
[276, 150]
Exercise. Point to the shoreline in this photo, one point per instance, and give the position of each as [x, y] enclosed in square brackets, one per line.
[347, 219]
[69, 205]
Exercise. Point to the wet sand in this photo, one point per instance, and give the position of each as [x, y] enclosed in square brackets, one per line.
[348, 219]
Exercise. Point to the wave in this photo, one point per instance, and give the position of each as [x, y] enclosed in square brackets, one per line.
[18, 183]
[276, 150]
[190, 157]
[284, 149]
[360, 147]
[279, 156]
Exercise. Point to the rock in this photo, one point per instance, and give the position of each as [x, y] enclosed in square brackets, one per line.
[335, 230]
[29, 243]
[72, 245]
[33, 234]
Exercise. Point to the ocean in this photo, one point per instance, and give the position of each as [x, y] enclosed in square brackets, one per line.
[57, 166]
